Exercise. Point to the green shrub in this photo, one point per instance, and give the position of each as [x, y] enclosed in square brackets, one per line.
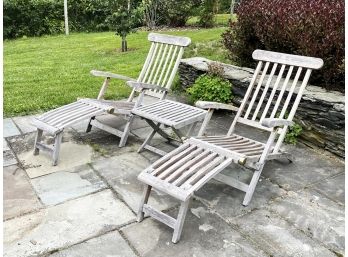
[207, 13]
[209, 87]
[124, 20]
[293, 133]
[42, 17]
[175, 13]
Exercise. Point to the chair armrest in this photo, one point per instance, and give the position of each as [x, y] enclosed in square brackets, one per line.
[215, 105]
[110, 75]
[140, 86]
[274, 122]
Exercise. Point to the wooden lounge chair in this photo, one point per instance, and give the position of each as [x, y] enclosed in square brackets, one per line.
[269, 97]
[155, 79]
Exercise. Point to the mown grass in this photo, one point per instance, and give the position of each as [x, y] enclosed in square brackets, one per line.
[47, 72]
[219, 20]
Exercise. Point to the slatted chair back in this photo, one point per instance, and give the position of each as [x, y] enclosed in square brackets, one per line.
[162, 61]
[275, 90]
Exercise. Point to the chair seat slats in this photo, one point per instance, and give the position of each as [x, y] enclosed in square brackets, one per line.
[170, 113]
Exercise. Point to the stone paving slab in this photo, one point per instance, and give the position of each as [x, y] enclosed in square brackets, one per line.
[121, 173]
[308, 168]
[5, 146]
[64, 225]
[24, 123]
[60, 186]
[227, 201]
[319, 217]
[109, 245]
[9, 128]
[19, 196]
[71, 155]
[204, 234]
[9, 158]
[277, 237]
[333, 188]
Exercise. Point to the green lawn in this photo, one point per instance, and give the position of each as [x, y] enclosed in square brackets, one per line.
[220, 19]
[47, 72]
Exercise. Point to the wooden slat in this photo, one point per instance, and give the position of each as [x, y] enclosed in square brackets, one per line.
[256, 92]
[160, 65]
[231, 182]
[169, 39]
[173, 159]
[280, 96]
[76, 115]
[159, 81]
[290, 93]
[270, 99]
[155, 65]
[49, 113]
[147, 62]
[288, 59]
[44, 147]
[268, 83]
[180, 162]
[76, 112]
[192, 170]
[155, 150]
[159, 162]
[45, 127]
[199, 174]
[253, 123]
[293, 109]
[149, 66]
[163, 186]
[187, 165]
[246, 97]
[106, 128]
[160, 216]
[60, 111]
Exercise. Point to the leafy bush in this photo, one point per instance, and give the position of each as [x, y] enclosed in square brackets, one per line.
[292, 134]
[175, 13]
[40, 17]
[209, 87]
[304, 27]
[207, 12]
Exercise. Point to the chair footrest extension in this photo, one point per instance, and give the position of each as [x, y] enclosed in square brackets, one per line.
[56, 120]
[160, 216]
[183, 171]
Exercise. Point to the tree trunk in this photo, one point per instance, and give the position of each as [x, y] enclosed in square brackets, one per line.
[232, 6]
[124, 44]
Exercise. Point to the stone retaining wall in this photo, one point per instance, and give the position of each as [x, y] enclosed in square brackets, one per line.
[321, 113]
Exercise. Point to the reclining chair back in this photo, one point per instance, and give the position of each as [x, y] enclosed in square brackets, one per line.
[162, 62]
[275, 90]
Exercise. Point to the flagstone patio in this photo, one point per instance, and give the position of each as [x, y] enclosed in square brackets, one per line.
[86, 206]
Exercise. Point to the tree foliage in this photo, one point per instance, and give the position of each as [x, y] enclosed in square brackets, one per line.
[125, 18]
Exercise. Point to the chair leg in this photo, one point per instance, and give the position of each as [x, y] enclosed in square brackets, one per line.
[144, 199]
[56, 149]
[252, 186]
[191, 129]
[147, 140]
[180, 221]
[89, 126]
[126, 132]
[37, 140]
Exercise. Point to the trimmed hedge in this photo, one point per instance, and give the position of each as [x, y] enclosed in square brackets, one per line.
[305, 27]
[40, 17]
